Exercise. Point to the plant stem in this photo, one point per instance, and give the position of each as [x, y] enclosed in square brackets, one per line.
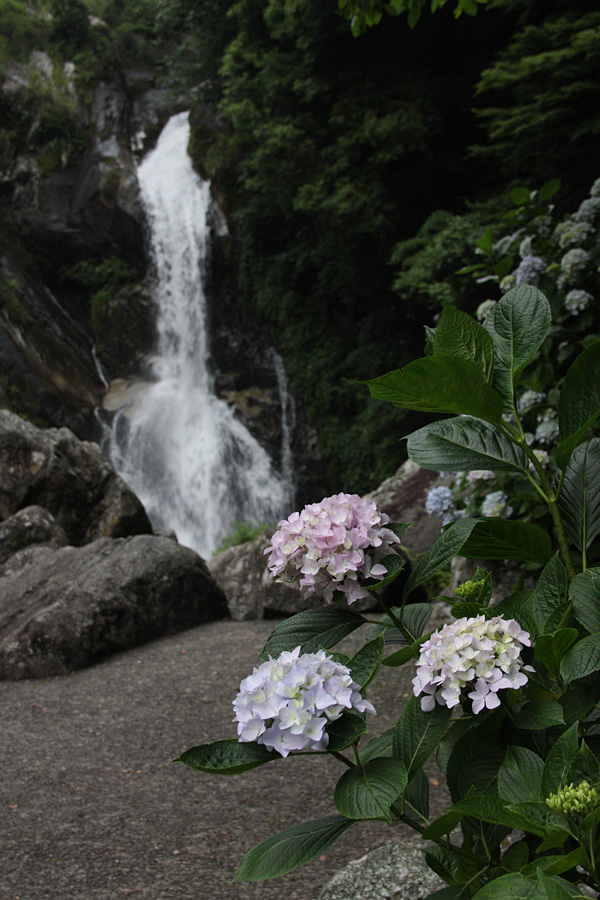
[397, 622]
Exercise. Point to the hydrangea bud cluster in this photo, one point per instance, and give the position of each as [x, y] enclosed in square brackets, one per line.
[330, 545]
[495, 505]
[469, 590]
[287, 702]
[529, 270]
[477, 653]
[576, 301]
[574, 801]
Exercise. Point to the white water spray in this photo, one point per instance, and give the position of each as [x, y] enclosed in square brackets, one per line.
[194, 465]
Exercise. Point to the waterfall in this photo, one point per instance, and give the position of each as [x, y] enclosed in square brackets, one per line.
[192, 462]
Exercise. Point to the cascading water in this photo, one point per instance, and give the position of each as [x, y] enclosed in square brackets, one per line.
[193, 464]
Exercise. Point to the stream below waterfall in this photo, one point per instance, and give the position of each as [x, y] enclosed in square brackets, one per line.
[192, 462]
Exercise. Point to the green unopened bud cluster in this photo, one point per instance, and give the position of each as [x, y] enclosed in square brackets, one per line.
[469, 590]
[574, 801]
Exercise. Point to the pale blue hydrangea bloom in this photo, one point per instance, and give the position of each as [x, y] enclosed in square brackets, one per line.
[573, 263]
[547, 430]
[484, 309]
[572, 233]
[287, 702]
[529, 399]
[576, 301]
[588, 210]
[476, 475]
[477, 653]
[529, 271]
[495, 505]
[440, 503]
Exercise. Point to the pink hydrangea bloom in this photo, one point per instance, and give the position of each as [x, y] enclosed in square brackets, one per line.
[478, 653]
[332, 545]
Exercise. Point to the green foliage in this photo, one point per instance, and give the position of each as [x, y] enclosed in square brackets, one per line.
[11, 304]
[100, 280]
[242, 534]
[70, 24]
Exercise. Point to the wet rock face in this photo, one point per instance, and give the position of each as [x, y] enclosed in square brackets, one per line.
[69, 478]
[79, 604]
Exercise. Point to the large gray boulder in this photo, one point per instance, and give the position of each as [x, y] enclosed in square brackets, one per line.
[394, 871]
[29, 527]
[70, 478]
[76, 605]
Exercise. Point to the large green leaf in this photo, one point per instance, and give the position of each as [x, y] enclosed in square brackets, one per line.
[346, 730]
[291, 848]
[365, 662]
[585, 591]
[550, 648]
[581, 660]
[506, 539]
[494, 810]
[559, 759]
[520, 775]
[518, 325]
[579, 402]
[379, 746]
[579, 500]
[458, 334]
[367, 791]
[416, 798]
[228, 757]
[463, 444]
[538, 714]
[440, 553]
[440, 384]
[418, 734]
[551, 589]
[312, 629]
[414, 617]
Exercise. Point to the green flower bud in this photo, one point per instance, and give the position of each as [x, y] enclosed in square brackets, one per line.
[573, 801]
[469, 590]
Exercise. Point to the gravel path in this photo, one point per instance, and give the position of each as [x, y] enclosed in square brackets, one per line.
[91, 807]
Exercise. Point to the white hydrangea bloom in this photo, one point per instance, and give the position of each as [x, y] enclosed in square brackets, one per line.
[484, 309]
[287, 702]
[529, 399]
[507, 283]
[480, 475]
[572, 265]
[332, 545]
[495, 505]
[477, 653]
[526, 247]
[542, 456]
[573, 233]
[547, 430]
[576, 301]
[588, 210]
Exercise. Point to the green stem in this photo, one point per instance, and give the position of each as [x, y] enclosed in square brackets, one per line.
[397, 622]
[341, 757]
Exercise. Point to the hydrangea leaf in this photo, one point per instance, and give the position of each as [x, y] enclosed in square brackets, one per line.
[551, 590]
[550, 648]
[538, 714]
[494, 810]
[518, 325]
[585, 591]
[505, 539]
[579, 499]
[228, 757]
[418, 734]
[520, 775]
[579, 402]
[463, 445]
[379, 746]
[345, 730]
[291, 848]
[414, 617]
[440, 384]
[458, 334]
[365, 662]
[581, 660]
[368, 791]
[416, 798]
[312, 629]
[559, 759]
[439, 555]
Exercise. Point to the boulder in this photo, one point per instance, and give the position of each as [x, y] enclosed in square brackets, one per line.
[241, 572]
[31, 526]
[70, 478]
[394, 871]
[76, 605]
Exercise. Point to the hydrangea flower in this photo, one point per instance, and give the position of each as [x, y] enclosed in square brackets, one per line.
[588, 210]
[529, 270]
[480, 475]
[547, 430]
[526, 247]
[573, 263]
[507, 283]
[477, 653]
[494, 505]
[572, 233]
[543, 225]
[440, 503]
[543, 457]
[287, 702]
[330, 545]
[573, 801]
[576, 301]
[595, 188]
[529, 399]
[484, 309]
